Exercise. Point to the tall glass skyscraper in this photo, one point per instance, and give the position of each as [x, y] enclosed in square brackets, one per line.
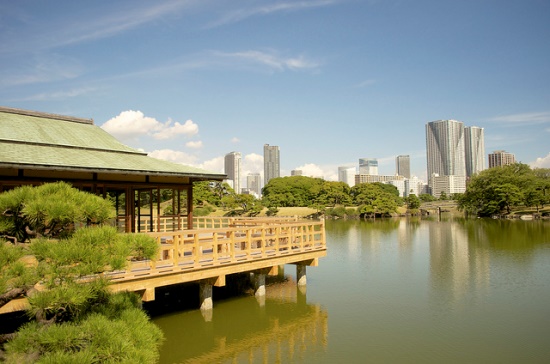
[272, 167]
[474, 145]
[233, 169]
[445, 148]
[403, 166]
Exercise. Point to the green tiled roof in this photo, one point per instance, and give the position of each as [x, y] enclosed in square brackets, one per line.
[37, 140]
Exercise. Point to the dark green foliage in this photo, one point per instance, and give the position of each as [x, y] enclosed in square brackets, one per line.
[376, 199]
[412, 202]
[50, 210]
[114, 332]
[291, 191]
[74, 316]
[426, 197]
[496, 191]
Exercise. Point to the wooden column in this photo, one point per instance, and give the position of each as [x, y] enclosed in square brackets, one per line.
[190, 206]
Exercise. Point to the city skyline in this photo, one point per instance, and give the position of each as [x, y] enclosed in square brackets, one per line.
[328, 81]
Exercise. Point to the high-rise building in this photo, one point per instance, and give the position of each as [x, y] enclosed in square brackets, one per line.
[501, 158]
[368, 166]
[272, 168]
[347, 175]
[296, 172]
[253, 183]
[403, 166]
[474, 145]
[446, 155]
[233, 169]
[445, 148]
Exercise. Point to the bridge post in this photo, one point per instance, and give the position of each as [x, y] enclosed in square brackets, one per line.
[301, 274]
[206, 295]
[259, 284]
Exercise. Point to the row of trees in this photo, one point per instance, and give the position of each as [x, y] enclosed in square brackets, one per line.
[494, 191]
[45, 259]
[299, 191]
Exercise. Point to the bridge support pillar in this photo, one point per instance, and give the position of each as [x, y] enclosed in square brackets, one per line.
[259, 284]
[206, 295]
[301, 274]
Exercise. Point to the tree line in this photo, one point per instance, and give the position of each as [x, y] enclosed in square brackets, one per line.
[366, 199]
[494, 191]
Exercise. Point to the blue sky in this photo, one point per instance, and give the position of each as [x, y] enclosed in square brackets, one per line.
[328, 81]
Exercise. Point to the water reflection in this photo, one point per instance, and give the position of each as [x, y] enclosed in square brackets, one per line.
[395, 290]
[282, 328]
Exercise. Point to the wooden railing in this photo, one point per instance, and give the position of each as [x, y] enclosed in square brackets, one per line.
[238, 241]
[173, 223]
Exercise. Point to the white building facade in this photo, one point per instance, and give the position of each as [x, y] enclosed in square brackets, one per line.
[232, 167]
[474, 145]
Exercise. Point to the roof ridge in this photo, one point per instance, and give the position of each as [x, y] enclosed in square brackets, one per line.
[45, 115]
[134, 151]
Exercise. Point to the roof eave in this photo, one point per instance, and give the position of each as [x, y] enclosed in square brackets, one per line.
[199, 176]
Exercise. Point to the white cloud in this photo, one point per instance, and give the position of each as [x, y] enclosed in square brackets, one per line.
[194, 144]
[242, 14]
[543, 162]
[132, 124]
[59, 95]
[525, 118]
[214, 164]
[271, 59]
[311, 170]
[235, 140]
[173, 156]
[167, 131]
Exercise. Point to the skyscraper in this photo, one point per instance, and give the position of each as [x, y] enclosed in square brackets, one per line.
[474, 145]
[253, 183]
[368, 166]
[446, 156]
[347, 175]
[272, 168]
[403, 166]
[501, 158]
[233, 169]
[445, 148]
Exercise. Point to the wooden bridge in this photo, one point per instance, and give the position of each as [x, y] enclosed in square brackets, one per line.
[218, 247]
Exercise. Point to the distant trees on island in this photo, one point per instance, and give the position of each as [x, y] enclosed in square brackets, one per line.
[327, 197]
[495, 191]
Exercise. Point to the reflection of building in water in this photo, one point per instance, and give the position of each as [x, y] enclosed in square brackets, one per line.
[456, 268]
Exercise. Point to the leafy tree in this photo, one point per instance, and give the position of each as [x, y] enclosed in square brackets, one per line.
[426, 197]
[249, 204]
[496, 191]
[413, 202]
[375, 199]
[333, 193]
[291, 191]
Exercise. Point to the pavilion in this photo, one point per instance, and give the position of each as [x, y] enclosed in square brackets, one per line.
[37, 148]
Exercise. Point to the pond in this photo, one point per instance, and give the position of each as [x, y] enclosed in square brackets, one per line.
[404, 290]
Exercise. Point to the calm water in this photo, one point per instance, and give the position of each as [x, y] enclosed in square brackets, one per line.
[390, 291]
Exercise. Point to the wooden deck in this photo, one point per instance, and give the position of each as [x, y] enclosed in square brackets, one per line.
[232, 246]
[219, 247]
